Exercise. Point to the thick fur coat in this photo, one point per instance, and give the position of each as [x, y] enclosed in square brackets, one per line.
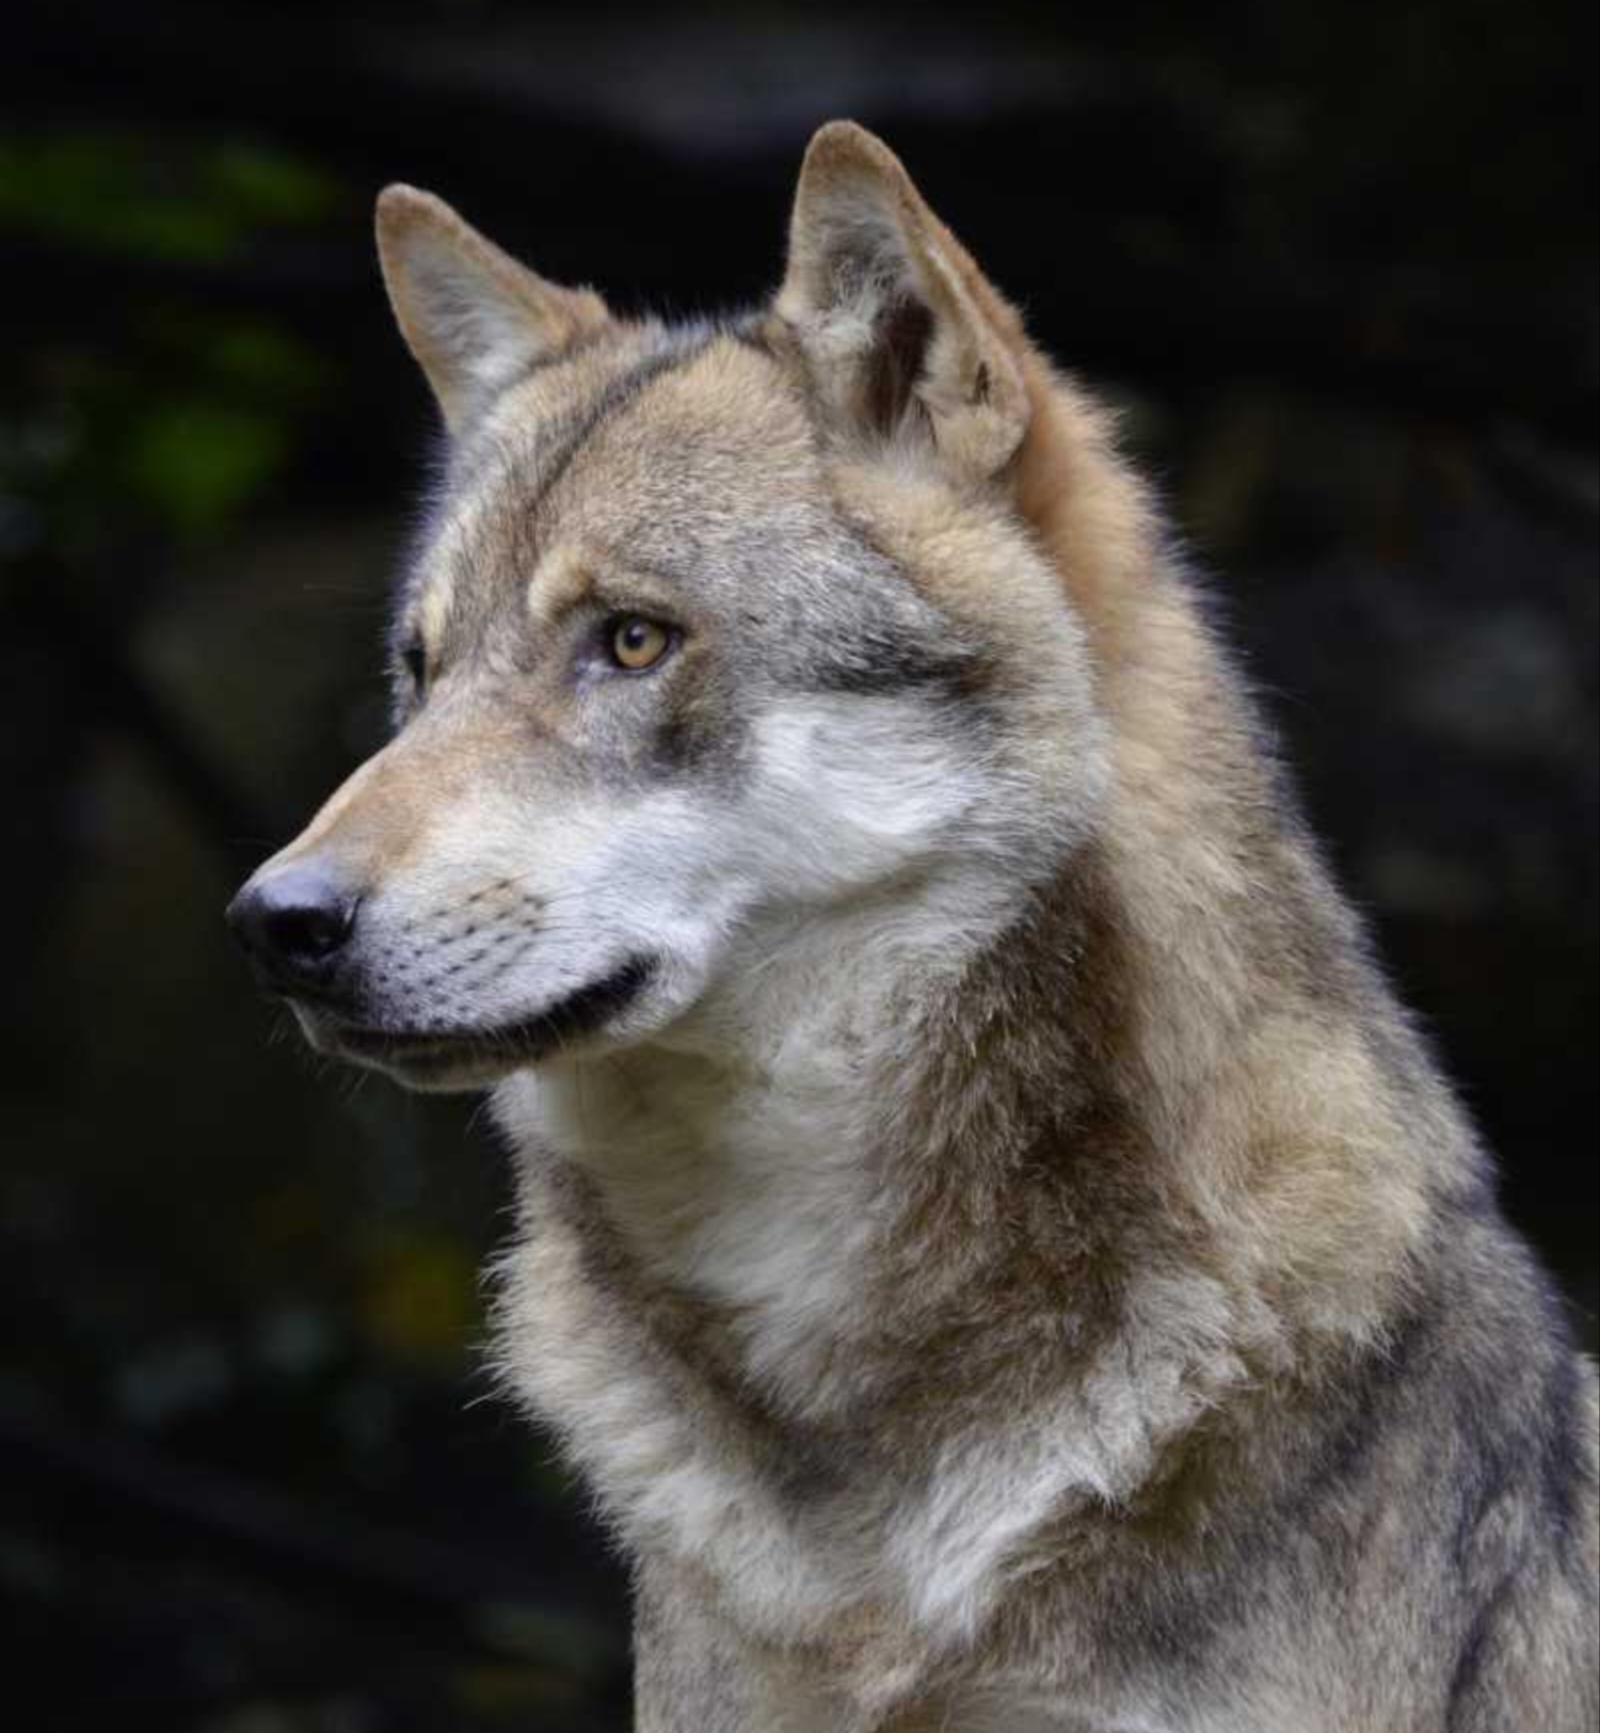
[998, 1252]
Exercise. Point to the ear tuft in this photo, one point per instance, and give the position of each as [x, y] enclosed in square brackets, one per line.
[471, 315]
[894, 319]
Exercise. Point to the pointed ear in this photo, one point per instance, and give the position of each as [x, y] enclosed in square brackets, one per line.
[903, 336]
[470, 313]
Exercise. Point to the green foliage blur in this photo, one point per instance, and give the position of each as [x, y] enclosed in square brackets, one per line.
[171, 417]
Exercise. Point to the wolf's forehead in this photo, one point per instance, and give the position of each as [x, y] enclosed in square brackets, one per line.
[663, 444]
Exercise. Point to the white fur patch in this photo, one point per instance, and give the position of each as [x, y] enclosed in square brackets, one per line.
[850, 789]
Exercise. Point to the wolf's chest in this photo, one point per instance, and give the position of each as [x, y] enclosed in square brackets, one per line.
[676, 1468]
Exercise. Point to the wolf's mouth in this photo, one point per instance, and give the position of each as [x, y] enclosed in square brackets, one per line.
[424, 1054]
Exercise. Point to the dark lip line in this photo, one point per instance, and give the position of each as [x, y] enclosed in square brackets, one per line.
[580, 1013]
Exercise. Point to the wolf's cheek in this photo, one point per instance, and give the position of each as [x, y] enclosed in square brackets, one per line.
[850, 790]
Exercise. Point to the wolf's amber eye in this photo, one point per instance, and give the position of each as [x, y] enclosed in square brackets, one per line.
[637, 643]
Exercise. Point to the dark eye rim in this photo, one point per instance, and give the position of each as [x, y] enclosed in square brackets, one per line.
[615, 622]
[414, 660]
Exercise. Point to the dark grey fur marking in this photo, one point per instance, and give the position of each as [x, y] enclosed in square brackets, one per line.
[579, 429]
[881, 666]
[1470, 1659]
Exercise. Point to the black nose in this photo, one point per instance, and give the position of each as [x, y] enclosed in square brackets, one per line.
[294, 921]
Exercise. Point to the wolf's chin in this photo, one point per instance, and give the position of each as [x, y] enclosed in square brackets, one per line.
[451, 1060]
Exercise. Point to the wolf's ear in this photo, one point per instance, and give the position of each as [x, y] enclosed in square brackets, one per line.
[900, 331]
[470, 313]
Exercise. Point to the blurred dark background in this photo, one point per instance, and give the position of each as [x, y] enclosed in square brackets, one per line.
[1337, 262]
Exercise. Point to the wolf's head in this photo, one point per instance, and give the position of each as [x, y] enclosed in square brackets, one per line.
[719, 634]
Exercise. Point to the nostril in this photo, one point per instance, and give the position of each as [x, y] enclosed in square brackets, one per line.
[294, 919]
[312, 931]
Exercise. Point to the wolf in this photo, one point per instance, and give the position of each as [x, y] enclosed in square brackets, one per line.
[990, 1238]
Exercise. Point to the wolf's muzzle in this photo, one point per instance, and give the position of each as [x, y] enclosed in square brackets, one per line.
[295, 922]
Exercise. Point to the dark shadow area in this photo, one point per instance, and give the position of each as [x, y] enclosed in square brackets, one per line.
[1338, 267]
